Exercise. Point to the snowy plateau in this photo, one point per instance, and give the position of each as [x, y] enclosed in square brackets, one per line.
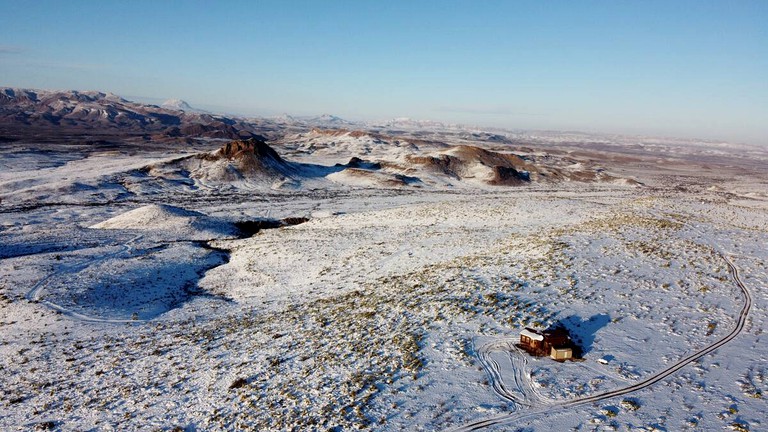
[378, 278]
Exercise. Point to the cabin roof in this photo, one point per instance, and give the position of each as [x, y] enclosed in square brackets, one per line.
[531, 334]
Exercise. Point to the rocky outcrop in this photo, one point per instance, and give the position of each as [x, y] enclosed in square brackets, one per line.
[468, 162]
[250, 161]
[508, 176]
[249, 148]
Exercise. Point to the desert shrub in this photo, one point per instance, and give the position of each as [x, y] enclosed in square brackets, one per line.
[630, 404]
[238, 383]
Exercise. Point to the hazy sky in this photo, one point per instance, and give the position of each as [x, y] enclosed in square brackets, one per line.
[678, 68]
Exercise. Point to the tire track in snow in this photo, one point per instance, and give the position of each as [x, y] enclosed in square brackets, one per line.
[522, 392]
[742, 319]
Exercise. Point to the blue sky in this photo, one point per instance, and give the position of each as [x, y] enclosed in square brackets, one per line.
[676, 68]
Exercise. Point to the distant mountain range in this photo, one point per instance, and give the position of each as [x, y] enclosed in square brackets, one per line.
[45, 115]
[93, 116]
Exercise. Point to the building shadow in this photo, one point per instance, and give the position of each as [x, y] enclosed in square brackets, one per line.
[583, 331]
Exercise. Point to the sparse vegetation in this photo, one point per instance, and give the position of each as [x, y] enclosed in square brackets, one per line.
[740, 426]
[630, 404]
[354, 322]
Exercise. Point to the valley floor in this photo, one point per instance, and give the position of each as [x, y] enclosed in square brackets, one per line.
[387, 310]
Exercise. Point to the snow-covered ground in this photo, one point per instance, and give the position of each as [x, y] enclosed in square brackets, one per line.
[137, 308]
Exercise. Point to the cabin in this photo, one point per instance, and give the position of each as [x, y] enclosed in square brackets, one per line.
[531, 339]
[554, 342]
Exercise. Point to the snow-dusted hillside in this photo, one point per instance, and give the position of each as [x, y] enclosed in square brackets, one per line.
[180, 105]
[57, 116]
[172, 222]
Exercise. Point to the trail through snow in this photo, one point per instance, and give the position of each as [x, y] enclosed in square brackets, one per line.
[521, 391]
[36, 293]
[501, 388]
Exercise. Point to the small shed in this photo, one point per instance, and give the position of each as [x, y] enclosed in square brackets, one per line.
[561, 353]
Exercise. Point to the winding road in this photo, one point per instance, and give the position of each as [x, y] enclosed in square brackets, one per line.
[550, 407]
